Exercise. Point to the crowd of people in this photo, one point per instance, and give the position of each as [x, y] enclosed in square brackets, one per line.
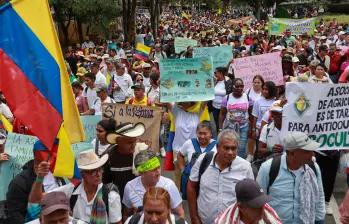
[232, 169]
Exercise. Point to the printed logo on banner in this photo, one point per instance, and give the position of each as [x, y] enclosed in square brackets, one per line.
[301, 105]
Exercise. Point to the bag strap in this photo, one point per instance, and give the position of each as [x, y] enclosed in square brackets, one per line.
[196, 145]
[210, 146]
[205, 163]
[151, 87]
[96, 146]
[274, 170]
[73, 198]
[135, 218]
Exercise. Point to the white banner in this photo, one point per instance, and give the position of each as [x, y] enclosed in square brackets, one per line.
[321, 110]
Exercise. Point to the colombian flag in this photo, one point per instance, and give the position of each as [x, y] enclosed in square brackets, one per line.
[142, 52]
[34, 79]
[205, 116]
[185, 17]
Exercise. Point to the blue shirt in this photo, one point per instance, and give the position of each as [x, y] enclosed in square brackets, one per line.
[285, 192]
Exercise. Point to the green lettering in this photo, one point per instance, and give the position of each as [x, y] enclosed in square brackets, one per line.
[330, 137]
[340, 138]
[324, 140]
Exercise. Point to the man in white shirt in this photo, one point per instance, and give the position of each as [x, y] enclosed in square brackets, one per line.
[146, 69]
[341, 39]
[121, 51]
[158, 53]
[89, 93]
[102, 93]
[100, 78]
[217, 183]
[120, 84]
[149, 168]
[87, 44]
[153, 92]
[139, 37]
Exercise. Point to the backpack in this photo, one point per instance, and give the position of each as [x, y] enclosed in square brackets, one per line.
[136, 217]
[275, 167]
[203, 167]
[186, 172]
[149, 103]
[106, 189]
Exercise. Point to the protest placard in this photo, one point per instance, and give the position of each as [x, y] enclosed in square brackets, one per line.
[149, 116]
[320, 110]
[181, 44]
[20, 149]
[267, 65]
[277, 26]
[220, 55]
[186, 80]
[90, 123]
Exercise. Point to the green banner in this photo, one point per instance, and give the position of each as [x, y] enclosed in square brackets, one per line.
[186, 80]
[89, 123]
[220, 55]
[277, 26]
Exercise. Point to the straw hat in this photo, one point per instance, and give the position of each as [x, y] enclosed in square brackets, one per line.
[88, 160]
[126, 129]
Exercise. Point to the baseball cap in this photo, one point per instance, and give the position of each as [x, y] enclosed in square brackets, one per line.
[54, 201]
[276, 106]
[299, 140]
[341, 33]
[2, 138]
[109, 61]
[248, 191]
[295, 59]
[81, 71]
[138, 85]
[323, 38]
[101, 87]
[94, 64]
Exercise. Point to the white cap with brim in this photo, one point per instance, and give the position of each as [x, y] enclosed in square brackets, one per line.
[89, 160]
[127, 130]
[299, 140]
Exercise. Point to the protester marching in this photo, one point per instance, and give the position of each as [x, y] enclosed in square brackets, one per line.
[249, 118]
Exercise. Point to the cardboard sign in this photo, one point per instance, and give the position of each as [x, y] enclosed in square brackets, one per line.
[149, 116]
[181, 44]
[186, 80]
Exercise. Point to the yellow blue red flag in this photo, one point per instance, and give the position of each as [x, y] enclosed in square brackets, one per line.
[142, 52]
[34, 78]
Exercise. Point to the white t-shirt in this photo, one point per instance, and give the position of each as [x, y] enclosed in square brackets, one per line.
[100, 78]
[237, 109]
[185, 126]
[97, 106]
[146, 81]
[101, 148]
[187, 150]
[273, 135]
[91, 96]
[50, 182]
[260, 107]
[153, 94]
[5, 110]
[253, 95]
[266, 117]
[219, 93]
[134, 192]
[124, 82]
[140, 38]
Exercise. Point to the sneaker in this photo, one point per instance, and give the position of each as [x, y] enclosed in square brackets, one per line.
[329, 210]
[162, 152]
[249, 158]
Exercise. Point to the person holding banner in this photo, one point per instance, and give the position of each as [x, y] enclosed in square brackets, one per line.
[149, 169]
[120, 84]
[234, 114]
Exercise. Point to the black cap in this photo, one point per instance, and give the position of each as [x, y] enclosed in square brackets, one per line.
[249, 192]
[94, 64]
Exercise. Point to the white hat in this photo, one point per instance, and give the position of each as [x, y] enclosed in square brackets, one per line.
[105, 56]
[276, 106]
[88, 160]
[295, 59]
[341, 33]
[146, 65]
[93, 56]
[126, 129]
[79, 53]
[299, 140]
[323, 38]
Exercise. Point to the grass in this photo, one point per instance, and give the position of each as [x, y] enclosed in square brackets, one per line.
[341, 18]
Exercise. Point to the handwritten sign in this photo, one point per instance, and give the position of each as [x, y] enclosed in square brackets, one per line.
[90, 123]
[220, 55]
[319, 110]
[181, 44]
[20, 149]
[267, 65]
[149, 116]
[277, 26]
[186, 80]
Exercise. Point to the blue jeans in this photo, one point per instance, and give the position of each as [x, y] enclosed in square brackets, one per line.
[243, 141]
